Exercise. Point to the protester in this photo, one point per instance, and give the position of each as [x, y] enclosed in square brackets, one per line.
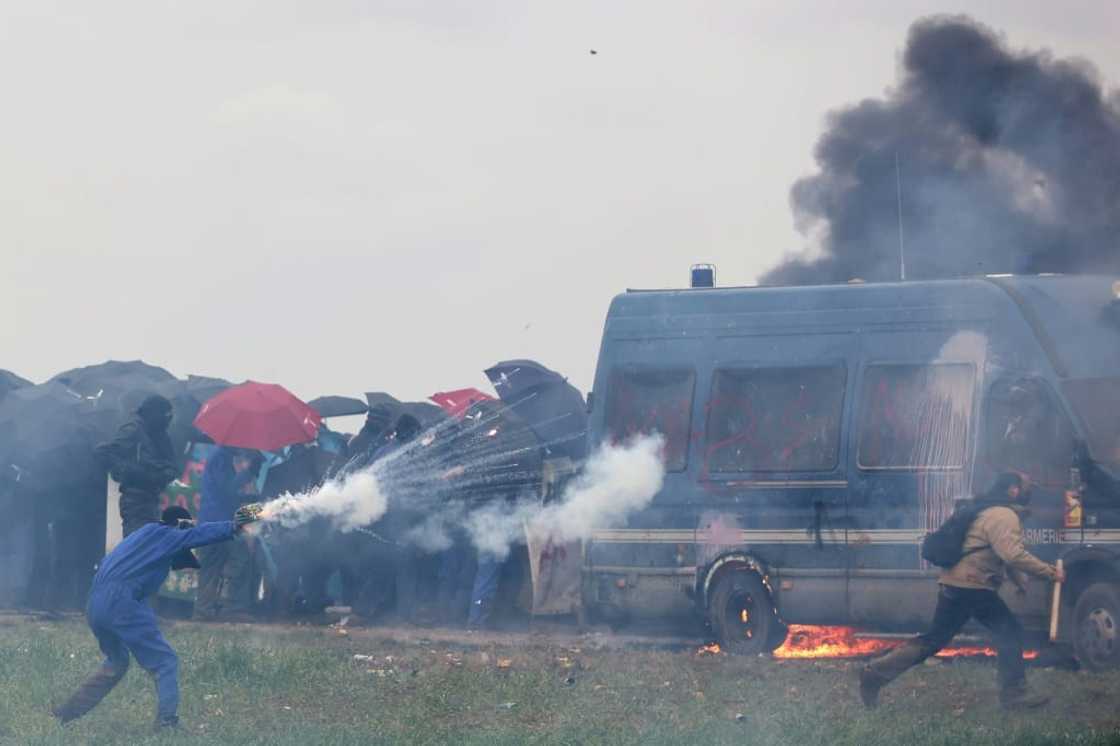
[123, 622]
[993, 548]
[225, 579]
[141, 460]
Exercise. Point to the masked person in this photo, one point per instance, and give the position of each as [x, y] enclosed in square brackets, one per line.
[225, 579]
[123, 622]
[141, 460]
[993, 548]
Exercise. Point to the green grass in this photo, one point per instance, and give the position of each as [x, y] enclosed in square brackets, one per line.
[283, 685]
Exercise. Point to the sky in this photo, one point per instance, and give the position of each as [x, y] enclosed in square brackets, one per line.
[392, 195]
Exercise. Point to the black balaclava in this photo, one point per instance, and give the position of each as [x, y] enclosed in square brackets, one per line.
[172, 514]
[408, 427]
[155, 412]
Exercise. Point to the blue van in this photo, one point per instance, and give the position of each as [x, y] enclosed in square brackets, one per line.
[814, 435]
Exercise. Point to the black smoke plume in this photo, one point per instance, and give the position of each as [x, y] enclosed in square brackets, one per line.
[1009, 161]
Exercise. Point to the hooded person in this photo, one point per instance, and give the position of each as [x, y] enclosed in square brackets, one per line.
[121, 618]
[141, 460]
[992, 550]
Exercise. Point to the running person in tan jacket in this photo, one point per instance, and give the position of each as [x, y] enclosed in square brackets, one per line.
[992, 549]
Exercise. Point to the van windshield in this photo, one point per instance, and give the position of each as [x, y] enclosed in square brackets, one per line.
[1097, 403]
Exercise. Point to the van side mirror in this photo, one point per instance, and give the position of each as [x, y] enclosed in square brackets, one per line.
[590, 401]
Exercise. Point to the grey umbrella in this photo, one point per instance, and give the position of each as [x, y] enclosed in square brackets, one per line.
[10, 382]
[338, 406]
[554, 408]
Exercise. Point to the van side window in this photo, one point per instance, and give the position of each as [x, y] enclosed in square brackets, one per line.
[1027, 432]
[775, 419]
[647, 400]
[915, 416]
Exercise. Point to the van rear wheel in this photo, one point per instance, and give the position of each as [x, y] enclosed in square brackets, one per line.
[741, 613]
[1096, 631]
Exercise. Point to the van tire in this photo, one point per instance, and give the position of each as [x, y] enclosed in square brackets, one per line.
[735, 592]
[1096, 627]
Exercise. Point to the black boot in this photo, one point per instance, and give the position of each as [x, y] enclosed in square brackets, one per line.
[89, 694]
[881, 671]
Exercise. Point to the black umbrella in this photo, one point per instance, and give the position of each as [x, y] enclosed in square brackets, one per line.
[427, 414]
[554, 408]
[47, 426]
[338, 406]
[117, 385]
[10, 382]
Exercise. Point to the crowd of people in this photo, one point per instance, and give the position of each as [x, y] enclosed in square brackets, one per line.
[483, 455]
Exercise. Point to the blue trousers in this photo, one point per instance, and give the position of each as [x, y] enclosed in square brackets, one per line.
[485, 589]
[123, 625]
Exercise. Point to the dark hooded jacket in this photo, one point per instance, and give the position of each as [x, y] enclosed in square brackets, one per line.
[140, 457]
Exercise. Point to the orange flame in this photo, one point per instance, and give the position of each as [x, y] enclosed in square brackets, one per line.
[712, 649]
[807, 641]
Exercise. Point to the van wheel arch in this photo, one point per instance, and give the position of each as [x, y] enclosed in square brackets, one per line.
[729, 587]
[1086, 567]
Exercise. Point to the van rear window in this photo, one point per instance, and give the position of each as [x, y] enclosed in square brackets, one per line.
[915, 416]
[775, 419]
[648, 400]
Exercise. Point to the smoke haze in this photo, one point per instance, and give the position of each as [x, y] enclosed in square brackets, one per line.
[616, 481]
[1008, 161]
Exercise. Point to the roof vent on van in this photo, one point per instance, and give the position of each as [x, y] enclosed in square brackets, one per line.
[702, 276]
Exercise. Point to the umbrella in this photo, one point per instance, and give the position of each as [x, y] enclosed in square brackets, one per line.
[9, 381]
[427, 414]
[518, 375]
[554, 408]
[39, 423]
[264, 416]
[457, 402]
[338, 406]
[122, 383]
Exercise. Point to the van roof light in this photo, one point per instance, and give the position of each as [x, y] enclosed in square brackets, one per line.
[702, 276]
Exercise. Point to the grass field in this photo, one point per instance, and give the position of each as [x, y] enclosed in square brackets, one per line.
[287, 685]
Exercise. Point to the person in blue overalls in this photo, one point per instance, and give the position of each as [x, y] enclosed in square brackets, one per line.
[123, 622]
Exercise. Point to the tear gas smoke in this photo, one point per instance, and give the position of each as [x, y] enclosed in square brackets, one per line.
[351, 502]
[1007, 161]
[617, 480]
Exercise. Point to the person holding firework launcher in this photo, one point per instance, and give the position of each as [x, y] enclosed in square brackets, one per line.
[123, 622]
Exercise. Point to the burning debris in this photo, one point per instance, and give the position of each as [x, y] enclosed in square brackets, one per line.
[807, 641]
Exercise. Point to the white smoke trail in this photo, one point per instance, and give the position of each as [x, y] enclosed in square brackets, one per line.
[617, 480]
[353, 501]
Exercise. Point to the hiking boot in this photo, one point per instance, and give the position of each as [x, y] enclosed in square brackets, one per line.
[869, 686]
[1021, 699]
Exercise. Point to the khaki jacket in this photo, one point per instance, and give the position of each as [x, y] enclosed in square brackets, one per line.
[1000, 531]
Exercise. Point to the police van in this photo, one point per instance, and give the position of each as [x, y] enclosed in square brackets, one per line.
[814, 435]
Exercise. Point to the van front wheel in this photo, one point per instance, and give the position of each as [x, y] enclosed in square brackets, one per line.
[741, 614]
[1096, 631]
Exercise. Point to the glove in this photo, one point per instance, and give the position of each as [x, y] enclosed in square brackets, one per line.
[247, 514]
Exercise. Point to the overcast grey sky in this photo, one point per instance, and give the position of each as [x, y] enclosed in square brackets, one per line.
[344, 196]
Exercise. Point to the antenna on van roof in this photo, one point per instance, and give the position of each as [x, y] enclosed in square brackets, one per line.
[901, 244]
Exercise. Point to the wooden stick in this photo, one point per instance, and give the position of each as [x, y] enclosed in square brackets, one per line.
[1055, 606]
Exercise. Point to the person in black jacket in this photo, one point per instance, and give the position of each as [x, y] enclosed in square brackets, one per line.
[141, 460]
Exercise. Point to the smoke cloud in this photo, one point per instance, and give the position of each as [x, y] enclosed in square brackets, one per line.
[1008, 161]
[351, 502]
[616, 481]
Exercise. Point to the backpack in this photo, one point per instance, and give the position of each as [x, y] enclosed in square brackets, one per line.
[943, 546]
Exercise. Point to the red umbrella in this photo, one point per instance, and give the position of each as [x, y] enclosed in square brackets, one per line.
[263, 416]
[455, 403]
